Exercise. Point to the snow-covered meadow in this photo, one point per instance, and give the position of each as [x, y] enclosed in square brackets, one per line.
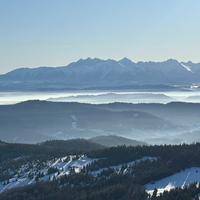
[180, 179]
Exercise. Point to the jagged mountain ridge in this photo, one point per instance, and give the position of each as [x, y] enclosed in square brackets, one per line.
[97, 72]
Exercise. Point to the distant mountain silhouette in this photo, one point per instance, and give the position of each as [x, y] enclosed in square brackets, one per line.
[102, 73]
[113, 141]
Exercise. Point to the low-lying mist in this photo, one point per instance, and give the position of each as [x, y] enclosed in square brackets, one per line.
[104, 96]
[153, 123]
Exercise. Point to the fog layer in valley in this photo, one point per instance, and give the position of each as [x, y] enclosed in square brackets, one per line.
[104, 96]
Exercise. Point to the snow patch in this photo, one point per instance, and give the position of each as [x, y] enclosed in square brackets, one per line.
[74, 124]
[73, 117]
[181, 179]
[187, 67]
[14, 139]
[99, 131]
[120, 166]
[121, 64]
[57, 134]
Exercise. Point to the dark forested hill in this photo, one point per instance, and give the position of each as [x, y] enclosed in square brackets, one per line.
[74, 144]
[54, 147]
[37, 121]
[113, 140]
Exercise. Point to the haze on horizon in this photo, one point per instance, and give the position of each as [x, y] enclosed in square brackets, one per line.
[55, 33]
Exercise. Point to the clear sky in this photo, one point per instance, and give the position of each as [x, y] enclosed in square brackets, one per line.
[37, 33]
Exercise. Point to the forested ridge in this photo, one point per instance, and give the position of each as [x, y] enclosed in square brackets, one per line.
[14, 155]
[178, 156]
[49, 148]
[125, 182]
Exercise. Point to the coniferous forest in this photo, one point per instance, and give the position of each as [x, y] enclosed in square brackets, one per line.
[126, 182]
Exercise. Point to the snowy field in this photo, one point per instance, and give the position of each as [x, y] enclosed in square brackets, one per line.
[181, 179]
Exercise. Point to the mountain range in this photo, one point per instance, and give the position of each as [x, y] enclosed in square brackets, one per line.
[102, 73]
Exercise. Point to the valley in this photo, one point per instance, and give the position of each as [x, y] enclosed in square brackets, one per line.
[153, 123]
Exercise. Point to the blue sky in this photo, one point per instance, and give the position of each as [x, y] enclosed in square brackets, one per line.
[37, 33]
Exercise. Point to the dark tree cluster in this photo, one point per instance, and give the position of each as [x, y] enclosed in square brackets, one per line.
[76, 144]
[187, 193]
[176, 157]
[118, 187]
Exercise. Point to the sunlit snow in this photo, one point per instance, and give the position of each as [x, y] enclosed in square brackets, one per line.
[181, 179]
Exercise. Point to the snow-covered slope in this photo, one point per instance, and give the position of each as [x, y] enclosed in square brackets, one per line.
[181, 179]
[27, 175]
[31, 172]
